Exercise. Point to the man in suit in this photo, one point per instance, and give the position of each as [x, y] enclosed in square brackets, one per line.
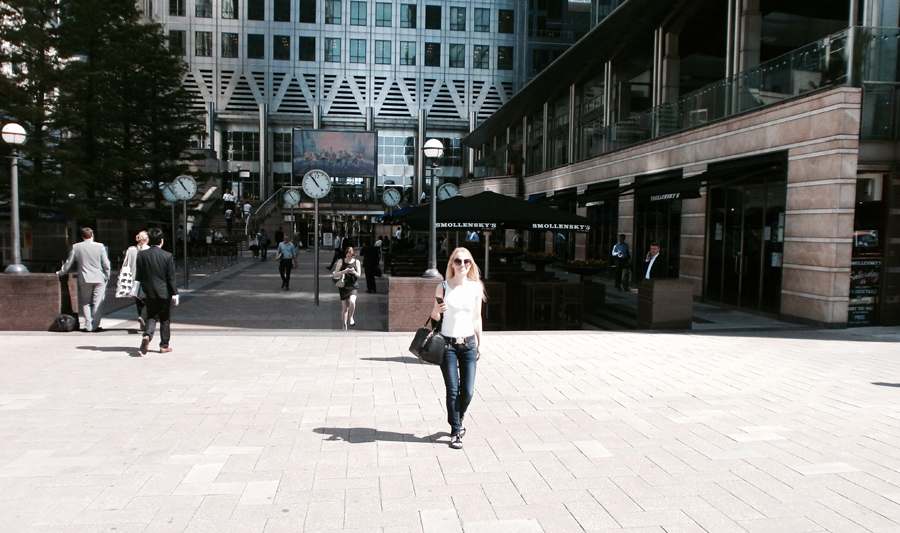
[156, 273]
[655, 264]
[93, 274]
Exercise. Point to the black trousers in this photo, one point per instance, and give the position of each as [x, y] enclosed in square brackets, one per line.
[158, 310]
[284, 268]
[263, 252]
[338, 253]
[370, 277]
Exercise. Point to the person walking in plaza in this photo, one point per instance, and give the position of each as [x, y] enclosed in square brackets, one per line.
[93, 275]
[229, 218]
[371, 255]
[286, 255]
[130, 263]
[655, 263]
[262, 240]
[349, 270]
[338, 251]
[458, 303]
[279, 236]
[156, 274]
[622, 255]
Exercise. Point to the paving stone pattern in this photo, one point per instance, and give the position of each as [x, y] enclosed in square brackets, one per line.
[266, 431]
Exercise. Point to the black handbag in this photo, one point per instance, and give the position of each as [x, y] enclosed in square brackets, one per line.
[428, 344]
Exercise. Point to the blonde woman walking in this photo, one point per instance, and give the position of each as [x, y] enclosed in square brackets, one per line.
[459, 299]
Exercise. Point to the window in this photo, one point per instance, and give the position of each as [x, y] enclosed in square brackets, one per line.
[229, 9]
[458, 56]
[176, 8]
[203, 43]
[432, 54]
[282, 11]
[481, 57]
[407, 53]
[256, 46]
[357, 50]
[281, 47]
[540, 58]
[482, 19]
[332, 50]
[177, 42]
[203, 9]
[306, 49]
[457, 19]
[432, 17]
[407, 15]
[383, 52]
[383, 15]
[256, 10]
[308, 11]
[357, 13]
[504, 58]
[396, 150]
[229, 45]
[505, 21]
[242, 145]
[332, 11]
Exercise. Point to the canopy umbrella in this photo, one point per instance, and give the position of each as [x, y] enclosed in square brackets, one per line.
[491, 211]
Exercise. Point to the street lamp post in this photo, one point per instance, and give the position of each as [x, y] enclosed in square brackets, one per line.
[14, 134]
[433, 150]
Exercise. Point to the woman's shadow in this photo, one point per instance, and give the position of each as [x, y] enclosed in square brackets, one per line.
[360, 435]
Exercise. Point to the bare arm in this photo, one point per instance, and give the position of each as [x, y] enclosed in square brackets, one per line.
[438, 308]
[477, 322]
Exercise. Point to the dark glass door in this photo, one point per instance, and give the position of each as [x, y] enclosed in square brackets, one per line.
[745, 235]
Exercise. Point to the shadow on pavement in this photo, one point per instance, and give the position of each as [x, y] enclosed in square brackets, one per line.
[880, 384]
[108, 348]
[405, 359]
[360, 435]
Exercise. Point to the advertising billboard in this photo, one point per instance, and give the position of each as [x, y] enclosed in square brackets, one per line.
[339, 153]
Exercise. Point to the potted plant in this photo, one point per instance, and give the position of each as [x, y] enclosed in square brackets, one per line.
[586, 267]
[539, 259]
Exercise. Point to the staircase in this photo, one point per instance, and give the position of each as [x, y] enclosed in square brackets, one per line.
[216, 220]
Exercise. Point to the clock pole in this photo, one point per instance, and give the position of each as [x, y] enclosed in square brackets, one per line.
[316, 244]
[186, 275]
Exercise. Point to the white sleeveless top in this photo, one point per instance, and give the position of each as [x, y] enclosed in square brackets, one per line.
[461, 302]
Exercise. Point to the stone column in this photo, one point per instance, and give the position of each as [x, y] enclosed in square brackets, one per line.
[821, 193]
[693, 241]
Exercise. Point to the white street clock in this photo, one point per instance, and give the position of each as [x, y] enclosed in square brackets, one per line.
[167, 193]
[184, 187]
[316, 183]
[292, 197]
[447, 191]
[391, 197]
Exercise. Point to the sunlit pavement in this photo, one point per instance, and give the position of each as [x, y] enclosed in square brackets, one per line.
[304, 427]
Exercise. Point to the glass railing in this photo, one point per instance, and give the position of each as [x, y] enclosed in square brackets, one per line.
[812, 67]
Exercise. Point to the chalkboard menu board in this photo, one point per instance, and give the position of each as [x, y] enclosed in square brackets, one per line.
[865, 275]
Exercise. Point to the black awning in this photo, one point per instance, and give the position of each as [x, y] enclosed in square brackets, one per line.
[680, 189]
[598, 195]
[561, 197]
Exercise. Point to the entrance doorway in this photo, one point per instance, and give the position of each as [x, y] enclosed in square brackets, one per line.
[746, 243]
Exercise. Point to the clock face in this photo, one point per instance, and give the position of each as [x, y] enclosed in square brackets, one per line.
[292, 197]
[447, 191]
[316, 183]
[184, 187]
[168, 194]
[391, 197]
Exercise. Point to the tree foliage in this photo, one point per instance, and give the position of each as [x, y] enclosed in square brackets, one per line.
[120, 119]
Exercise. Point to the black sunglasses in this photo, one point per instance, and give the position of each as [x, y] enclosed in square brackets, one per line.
[458, 261]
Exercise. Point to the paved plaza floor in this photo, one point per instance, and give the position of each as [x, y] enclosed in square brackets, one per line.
[267, 418]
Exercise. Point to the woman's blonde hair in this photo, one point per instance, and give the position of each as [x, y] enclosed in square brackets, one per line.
[142, 237]
[474, 273]
[350, 251]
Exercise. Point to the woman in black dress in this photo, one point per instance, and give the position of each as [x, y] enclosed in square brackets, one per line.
[350, 270]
